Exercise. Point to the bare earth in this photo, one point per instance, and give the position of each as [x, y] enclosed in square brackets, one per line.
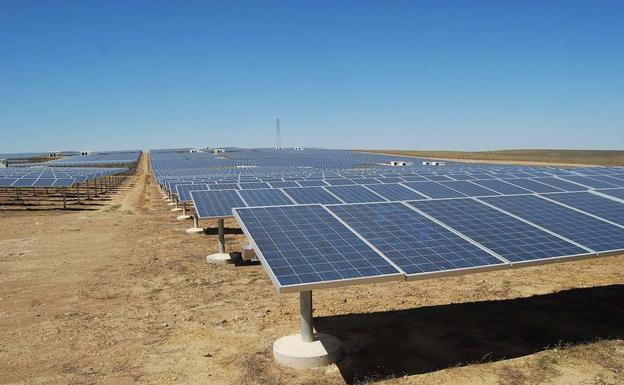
[121, 295]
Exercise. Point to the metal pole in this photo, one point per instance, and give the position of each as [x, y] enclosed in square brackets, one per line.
[221, 236]
[305, 308]
[195, 221]
[17, 196]
[64, 199]
[78, 193]
[183, 208]
[88, 193]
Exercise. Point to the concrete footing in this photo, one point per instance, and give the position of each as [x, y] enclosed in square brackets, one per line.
[292, 351]
[183, 217]
[194, 230]
[218, 258]
[176, 209]
[171, 203]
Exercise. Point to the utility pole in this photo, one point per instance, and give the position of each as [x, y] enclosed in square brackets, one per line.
[278, 138]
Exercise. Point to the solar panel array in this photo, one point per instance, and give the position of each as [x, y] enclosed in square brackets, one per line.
[52, 176]
[321, 218]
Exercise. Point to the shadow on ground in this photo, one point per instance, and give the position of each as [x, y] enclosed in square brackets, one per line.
[226, 231]
[413, 341]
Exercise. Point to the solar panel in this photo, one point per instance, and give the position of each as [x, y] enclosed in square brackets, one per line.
[224, 186]
[433, 190]
[507, 236]
[587, 181]
[590, 232]
[44, 182]
[339, 181]
[183, 191]
[253, 185]
[468, 188]
[390, 179]
[593, 204]
[311, 183]
[501, 186]
[609, 179]
[215, 203]
[309, 195]
[561, 184]
[533, 185]
[616, 193]
[437, 177]
[395, 192]
[305, 247]
[279, 184]
[265, 197]
[63, 182]
[355, 194]
[416, 244]
[24, 182]
[6, 182]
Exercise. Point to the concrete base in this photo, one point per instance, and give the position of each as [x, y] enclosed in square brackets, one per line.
[183, 217]
[194, 230]
[293, 352]
[176, 209]
[218, 258]
[171, 203]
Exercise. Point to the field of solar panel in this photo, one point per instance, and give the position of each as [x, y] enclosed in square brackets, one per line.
[463, 273]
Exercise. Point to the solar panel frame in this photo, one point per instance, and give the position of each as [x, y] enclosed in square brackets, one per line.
[392, 274]
[506, 235]
[592, 233]
[222, 205]
[591, 204]
[183, 191]
[260, 197]
[423, 240]
[311, 195]
[355, 194]
[616, 193]
[501, 186]
[395, 192]
[434, 190]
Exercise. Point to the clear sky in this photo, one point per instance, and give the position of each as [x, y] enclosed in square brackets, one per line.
[463, 75]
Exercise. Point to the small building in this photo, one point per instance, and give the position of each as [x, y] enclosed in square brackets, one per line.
[299, 148]
[218, 150]
[4, 163]
[193, 150]
[433, 163]
[399, 163]
[85, 153]
[55, 154]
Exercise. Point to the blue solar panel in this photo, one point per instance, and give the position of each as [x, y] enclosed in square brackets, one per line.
[593, 204]
[609, 179]
[355, 194]
[587, 181]
[44, 182]
[433, 190]
[308, 195]
[501, 186]
[215, 203]
[413, 242]
[63, 182]
[6, 182]
[468, 188]
[184, 190]
[339, 181]
[507, 236]
[265, 197]
[590, 232]
[253, 185]
[24, 182]
[289, 183]
[305, 247]
[364, 181]
[616, 193]
[395, 192]
[224, 186]
[311, 183]
[437, 177]
[390, 179]
[561, 184]
[533, 185]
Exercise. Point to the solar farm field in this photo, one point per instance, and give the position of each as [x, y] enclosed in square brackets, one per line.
[464, 273]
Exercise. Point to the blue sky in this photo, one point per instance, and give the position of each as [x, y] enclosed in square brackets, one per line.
[459, 75]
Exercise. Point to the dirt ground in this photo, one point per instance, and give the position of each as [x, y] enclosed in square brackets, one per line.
[121, 295]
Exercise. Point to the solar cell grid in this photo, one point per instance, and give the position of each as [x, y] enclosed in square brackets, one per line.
[310, 195]
[216, 203]
[561, 184]
[183, 191]
[616, 193]
[434, 190]
[593, 204]
[395, 192]
[590, 232]
[533, 185]
[468, 188]
[413, 242]
[507, 236]
[305, 246]
[265, 197]
[587, 181]
[354, 194]
[501, 186]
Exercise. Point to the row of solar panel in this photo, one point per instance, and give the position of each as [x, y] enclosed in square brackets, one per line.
[40, 182]
[313, 246]
[447, 189]
[573, 182]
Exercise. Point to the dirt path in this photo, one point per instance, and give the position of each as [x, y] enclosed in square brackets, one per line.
[121, 295]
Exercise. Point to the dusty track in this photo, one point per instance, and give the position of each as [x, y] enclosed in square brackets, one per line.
[121, 295]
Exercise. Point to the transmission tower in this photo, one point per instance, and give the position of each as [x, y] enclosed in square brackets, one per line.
[278, 136]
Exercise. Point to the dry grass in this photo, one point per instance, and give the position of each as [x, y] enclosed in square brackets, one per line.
[579, 157]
